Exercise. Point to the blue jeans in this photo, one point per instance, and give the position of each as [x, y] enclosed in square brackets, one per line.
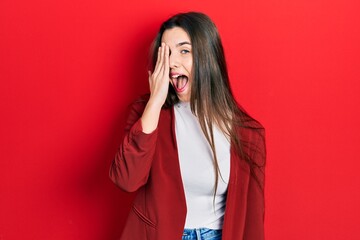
[201, 234]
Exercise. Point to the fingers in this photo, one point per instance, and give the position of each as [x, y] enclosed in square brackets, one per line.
[149, 73]
[162, 55]
[157, 65]
[159, 78]
[159, 62]
[162, 63]
[158, 56]
[166, 62]
[164, 70]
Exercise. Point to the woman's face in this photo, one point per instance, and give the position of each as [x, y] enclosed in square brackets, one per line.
[180, 60]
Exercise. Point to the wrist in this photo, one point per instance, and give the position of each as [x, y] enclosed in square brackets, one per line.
[155, 103]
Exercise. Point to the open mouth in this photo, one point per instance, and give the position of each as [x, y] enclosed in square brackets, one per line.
[179, 82]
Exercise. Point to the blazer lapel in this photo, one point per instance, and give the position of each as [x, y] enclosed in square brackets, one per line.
[236, 202]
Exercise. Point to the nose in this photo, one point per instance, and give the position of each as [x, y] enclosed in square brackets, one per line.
[174, 60]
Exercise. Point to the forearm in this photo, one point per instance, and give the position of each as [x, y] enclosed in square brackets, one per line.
[150, 116]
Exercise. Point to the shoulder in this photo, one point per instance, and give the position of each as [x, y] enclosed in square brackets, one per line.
[248, 127]
[252, 137]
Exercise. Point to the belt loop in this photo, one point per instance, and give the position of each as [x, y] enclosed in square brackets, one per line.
[198, 236]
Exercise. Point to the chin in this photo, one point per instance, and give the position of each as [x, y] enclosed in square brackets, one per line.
[184, 97]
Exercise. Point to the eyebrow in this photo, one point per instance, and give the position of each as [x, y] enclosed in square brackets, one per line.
[182, 43]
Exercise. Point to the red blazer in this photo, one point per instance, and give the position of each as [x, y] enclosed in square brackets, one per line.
[149, 164]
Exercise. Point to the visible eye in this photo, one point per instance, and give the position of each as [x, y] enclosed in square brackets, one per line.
[184, 51]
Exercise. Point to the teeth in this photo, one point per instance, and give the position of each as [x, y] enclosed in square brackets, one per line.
[175, 76]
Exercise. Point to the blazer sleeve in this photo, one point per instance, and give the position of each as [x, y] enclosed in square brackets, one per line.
[132, 163]
[255, 212]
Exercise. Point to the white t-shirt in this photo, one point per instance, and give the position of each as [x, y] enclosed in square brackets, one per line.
[197, 170]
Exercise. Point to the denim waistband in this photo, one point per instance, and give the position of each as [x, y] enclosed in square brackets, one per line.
[202, 234]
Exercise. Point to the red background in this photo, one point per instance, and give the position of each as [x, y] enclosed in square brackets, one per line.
[70, 68]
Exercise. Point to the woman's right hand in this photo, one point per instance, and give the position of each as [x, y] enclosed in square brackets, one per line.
[159, 86]
[159, 79]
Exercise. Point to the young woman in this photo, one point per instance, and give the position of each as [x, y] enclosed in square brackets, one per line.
[194, 156]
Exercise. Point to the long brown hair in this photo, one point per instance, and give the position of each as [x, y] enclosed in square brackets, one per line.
[212, 100]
